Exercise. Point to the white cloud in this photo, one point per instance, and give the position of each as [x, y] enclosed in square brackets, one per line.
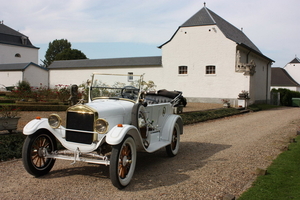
[271, 25]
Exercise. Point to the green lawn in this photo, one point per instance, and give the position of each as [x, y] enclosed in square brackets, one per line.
[282, 180]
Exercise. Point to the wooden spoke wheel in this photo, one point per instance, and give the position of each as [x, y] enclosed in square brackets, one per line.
[33, 154]
[122, 162]
[173, 148]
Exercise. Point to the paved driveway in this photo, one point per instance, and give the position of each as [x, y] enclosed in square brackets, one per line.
[215, 158]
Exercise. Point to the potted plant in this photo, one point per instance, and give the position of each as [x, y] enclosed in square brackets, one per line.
[244, 94]
[8, 118]
[226, 103]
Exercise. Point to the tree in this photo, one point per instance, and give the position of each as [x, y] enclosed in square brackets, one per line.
[70, 54]
[61, 50]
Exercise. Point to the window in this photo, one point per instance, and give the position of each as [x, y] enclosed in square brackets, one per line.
[130, 76]
[210, 69]
[18, 55]
[182, 70]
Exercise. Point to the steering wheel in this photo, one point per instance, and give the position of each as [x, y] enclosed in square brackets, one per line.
[129, 92]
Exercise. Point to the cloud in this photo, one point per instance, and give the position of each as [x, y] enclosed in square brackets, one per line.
[271, 25]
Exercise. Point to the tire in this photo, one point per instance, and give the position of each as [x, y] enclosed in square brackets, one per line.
[173, 148]
[32, 153]
[122, 162]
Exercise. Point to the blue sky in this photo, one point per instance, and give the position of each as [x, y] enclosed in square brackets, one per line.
[133, 28]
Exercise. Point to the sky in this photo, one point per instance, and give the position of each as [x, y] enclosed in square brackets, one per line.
[135, 28]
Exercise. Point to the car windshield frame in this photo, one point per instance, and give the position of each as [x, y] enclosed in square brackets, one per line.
[116, 86]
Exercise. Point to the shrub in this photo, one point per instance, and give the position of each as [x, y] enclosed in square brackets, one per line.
[23, 90]
[286, 96]
[11, 146]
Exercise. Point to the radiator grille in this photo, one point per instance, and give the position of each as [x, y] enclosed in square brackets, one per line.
[80, 121]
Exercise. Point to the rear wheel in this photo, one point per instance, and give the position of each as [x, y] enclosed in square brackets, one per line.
[173, 148]
[122, 162]
[33, 154]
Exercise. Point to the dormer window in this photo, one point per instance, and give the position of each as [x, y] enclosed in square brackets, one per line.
[18, 55]
[24, 40]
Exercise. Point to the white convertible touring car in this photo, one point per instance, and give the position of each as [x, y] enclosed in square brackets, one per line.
[118, 120]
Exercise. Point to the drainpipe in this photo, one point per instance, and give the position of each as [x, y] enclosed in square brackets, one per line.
[267, 89]
[248, 57]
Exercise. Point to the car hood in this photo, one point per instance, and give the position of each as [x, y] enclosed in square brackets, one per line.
[110, 108]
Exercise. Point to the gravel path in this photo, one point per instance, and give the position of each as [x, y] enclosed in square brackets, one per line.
[216, 158]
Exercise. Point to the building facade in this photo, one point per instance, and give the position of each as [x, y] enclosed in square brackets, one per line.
[207, 58]
[293, 68]
[16, 47]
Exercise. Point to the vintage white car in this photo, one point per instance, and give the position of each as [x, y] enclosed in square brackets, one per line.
[118, 120]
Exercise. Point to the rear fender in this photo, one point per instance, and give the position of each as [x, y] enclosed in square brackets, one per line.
[116, 135]
[169, 126]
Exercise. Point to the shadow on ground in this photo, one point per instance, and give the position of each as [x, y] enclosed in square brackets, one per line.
[152, 170]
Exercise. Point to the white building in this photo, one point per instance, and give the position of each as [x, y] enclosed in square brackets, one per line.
[34, 74]
[293, 68]
[281, 79]
[207, 58]
[16, 47]
[17, 59]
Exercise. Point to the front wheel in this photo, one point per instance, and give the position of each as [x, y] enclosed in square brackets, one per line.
[122, 162]
[34, 150]
[173, 148]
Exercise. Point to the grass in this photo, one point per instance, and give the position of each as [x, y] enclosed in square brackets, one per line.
[258, 107]
[282, 180]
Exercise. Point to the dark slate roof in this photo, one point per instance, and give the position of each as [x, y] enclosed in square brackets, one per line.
[12, 37]
[18, 66]
[108, 62]
[295, 60]
[280, 77]
[206, 17]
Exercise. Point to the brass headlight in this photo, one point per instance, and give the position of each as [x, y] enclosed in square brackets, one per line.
[101, 126]
[54, 120]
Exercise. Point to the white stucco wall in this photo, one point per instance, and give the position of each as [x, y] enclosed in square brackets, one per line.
[8, 52]
[197, 47]
[294, 71]
[36, 76]
[79, 76]
[10, 78]
[260, 81]
[194, 47]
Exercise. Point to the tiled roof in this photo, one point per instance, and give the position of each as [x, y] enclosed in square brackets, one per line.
[12, 37]
[280, 77]
[17, 66]
[109, 62]
[206, 17]
[295, 60]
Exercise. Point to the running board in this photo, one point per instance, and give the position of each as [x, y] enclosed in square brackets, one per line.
[157, 145]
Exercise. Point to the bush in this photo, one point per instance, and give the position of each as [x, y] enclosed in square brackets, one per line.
[11, 146]
[200, 116]
[286, 96]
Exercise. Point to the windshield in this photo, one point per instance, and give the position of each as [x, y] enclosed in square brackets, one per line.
[116, 86]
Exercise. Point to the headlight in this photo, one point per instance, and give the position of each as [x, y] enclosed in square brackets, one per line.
[54, 120]
[101, 126]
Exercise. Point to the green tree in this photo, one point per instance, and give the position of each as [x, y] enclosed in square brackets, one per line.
[61, 50]
[70, 54]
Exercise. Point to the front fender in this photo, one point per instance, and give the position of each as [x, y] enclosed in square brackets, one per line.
[32, 126]
[116, 135]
